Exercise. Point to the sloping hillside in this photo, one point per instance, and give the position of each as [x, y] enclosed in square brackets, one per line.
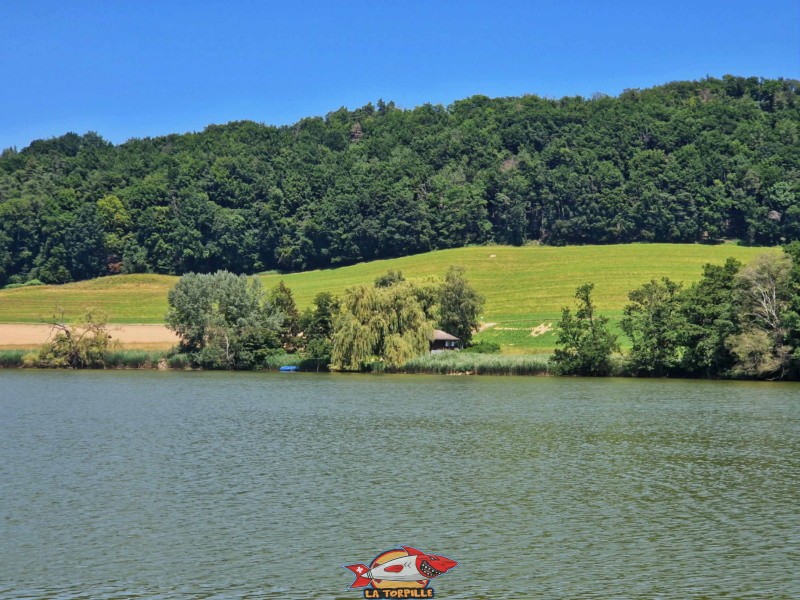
[524, 287]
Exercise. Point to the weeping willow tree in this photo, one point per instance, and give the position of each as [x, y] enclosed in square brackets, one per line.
[388, 324]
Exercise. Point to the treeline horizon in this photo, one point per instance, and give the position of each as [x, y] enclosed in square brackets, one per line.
[691, 161]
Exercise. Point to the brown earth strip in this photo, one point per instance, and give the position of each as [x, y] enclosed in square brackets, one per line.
[145, 337]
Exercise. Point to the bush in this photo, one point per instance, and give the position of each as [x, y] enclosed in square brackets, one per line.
[484, 347]
[179, 361]
[28, 283]
[80, 345]
[585, 343]
[274, 361]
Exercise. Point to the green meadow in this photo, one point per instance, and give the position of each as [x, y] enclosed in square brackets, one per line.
[525, 287]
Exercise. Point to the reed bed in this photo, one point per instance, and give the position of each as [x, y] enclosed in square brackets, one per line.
[10, 359]
[450, 363]
[133, 359]
[276, 361]
[179, 361]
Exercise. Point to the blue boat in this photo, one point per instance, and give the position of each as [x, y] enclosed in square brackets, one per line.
[289, 368]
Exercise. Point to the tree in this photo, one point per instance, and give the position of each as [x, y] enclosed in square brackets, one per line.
[79, 345]
[708, 315]
[379, 324]
[116, 222]
[459, 305]
[764, 293]
[223, 319]
[282, 299]
[652, 322]
[756, 354]
[585, 342]
[317, 325]
[686, 161]
[792, 312]
[317, 322]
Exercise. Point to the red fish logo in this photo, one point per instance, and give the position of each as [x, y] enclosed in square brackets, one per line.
[403, 573]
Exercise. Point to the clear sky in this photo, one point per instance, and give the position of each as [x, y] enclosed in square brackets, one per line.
[151, 67]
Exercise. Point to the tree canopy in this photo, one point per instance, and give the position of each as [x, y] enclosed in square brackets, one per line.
[224, 320]
[686, 161]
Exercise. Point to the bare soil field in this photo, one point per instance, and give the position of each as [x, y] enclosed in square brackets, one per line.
[142, 337]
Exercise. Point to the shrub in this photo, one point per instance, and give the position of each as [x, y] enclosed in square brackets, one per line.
[74, 346]
[179, 361]
[484, 347]
[28, 283]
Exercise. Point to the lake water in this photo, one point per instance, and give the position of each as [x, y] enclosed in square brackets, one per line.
[215, 485]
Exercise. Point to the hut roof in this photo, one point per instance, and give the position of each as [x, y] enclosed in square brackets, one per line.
[439, 335]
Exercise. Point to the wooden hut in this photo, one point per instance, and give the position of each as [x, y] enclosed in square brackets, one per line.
[443, 341]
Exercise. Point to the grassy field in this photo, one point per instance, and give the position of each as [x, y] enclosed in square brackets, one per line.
[125, 298]
[525, 288]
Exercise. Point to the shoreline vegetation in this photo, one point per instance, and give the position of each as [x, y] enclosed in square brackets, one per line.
[737, 322]
[511, 365]
[452, 363]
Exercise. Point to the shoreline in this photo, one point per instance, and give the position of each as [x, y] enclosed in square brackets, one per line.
[164, 367]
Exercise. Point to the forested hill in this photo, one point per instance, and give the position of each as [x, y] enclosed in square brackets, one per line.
[686, 161]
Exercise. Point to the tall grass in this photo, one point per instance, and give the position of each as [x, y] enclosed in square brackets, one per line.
[276, 361]
[179, 361]
[448, 363]
[133, 359]
[10, 359]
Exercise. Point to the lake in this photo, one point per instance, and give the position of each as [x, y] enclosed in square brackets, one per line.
[215, 485]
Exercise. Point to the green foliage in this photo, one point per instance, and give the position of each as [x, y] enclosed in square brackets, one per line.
[764, 290]
[459, 306]
[791, 316]
[389, 279]
[585, 343]
[756, 355]
[79, 345]
[709, 316]
[379, 324]
[320, 351]
[10, 359]
[687, 161]
[223, 320]
[447, 363]
[317, 325]
[133, 359]
[317, 322]
[179, 360]
[281, 298]
[652, 323]
[29, 283]
[483, 347]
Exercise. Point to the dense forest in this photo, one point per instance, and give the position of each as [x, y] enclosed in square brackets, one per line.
[683, 162]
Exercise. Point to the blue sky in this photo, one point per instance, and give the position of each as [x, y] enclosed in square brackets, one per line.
[144, 68]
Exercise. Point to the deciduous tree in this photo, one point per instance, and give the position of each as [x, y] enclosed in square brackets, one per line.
[459, 305]
[652, 323]
[223, 319]
[379, 324]
[585, 344]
